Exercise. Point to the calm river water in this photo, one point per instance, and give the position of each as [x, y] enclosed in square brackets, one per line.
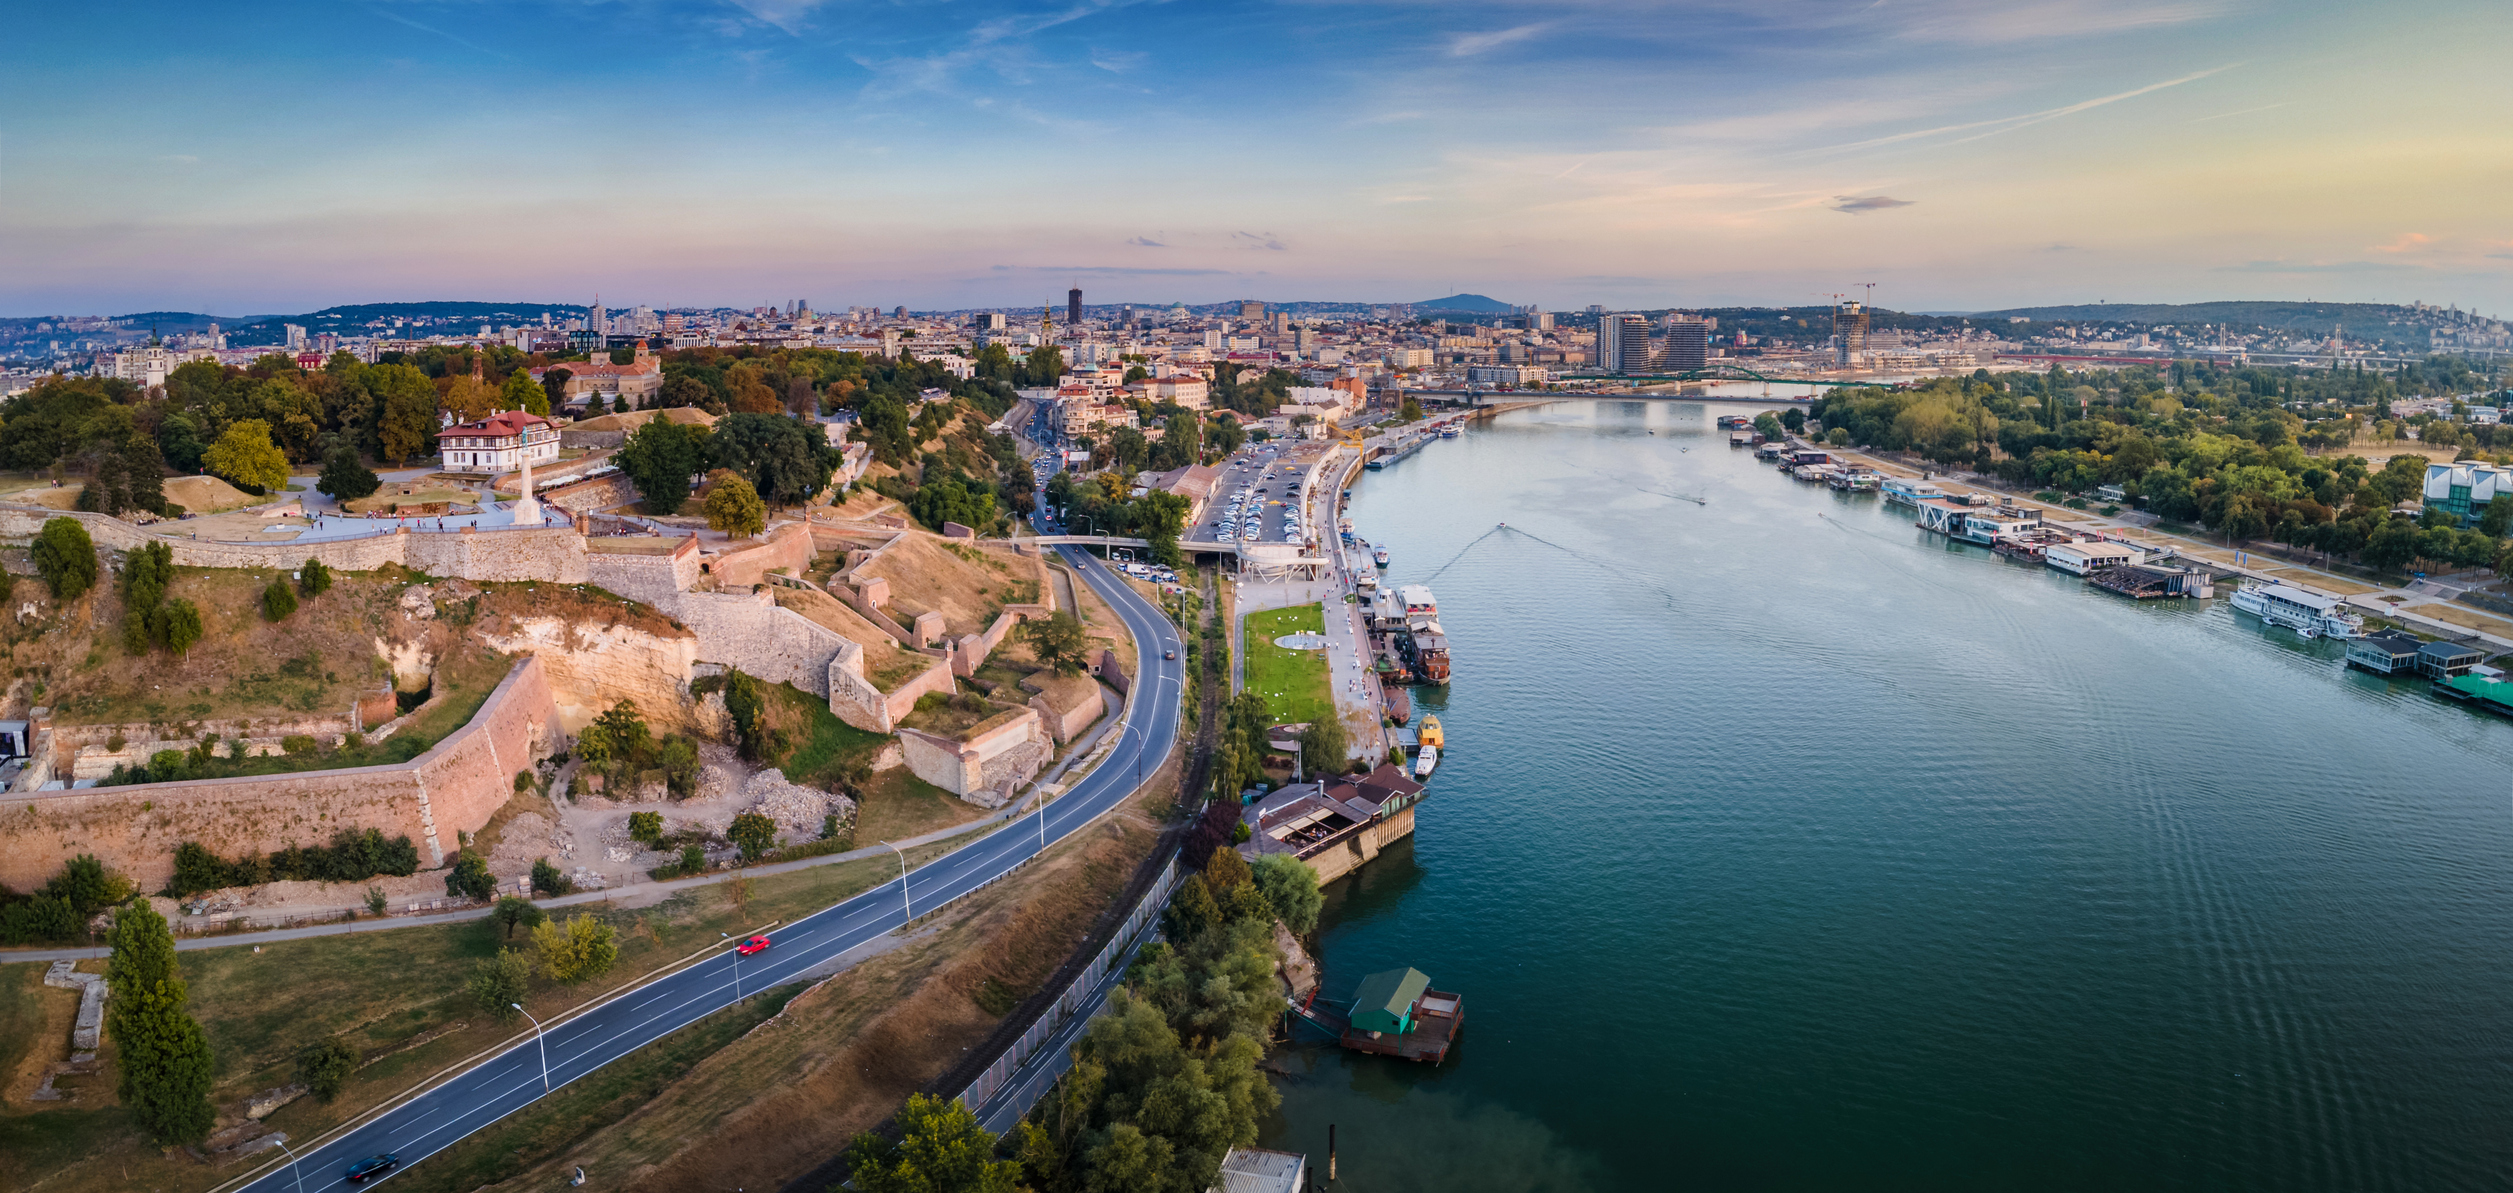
[1783, 846]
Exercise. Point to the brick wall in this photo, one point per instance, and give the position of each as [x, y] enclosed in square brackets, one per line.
[453, 787]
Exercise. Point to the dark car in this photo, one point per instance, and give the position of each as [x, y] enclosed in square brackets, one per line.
[755, 944]
[372, 1167]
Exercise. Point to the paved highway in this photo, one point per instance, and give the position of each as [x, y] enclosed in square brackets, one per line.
[511, 1080]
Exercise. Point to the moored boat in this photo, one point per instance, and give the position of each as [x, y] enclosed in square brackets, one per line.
[2308, 613]
[1430, 734]
[1423, 762]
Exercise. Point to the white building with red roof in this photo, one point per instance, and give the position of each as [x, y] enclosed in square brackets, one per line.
[499, 443]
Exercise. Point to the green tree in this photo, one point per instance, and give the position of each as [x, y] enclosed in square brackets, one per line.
[580, 950]
[1410, 410]
[754, 833]
[313, 578]
[470, 877]
[65, 557]
[734, 508]
[346, 477]
[693, 860]
[144, 470]
[645, 828]
[1057, 641]
[515, 911]
[548, 880]
[660, 458]
[406, 401]
[279, 600]
[941, 1149]
[163, 1057]
[245, 455]
[2392, 544]
[498, 983]
[326, 1067]
[554, 388]
[744, 702]
[1323, 746]
[521, 392]
[178, 625]
[785, 460]
[1291, 887]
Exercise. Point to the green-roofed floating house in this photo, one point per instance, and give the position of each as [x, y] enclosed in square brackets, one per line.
[1397, 1013]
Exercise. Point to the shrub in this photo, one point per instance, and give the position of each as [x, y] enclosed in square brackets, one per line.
[470, 878]
[65, 557]
[375, 900]
[734, 507]
[693, 860]
[1291, 887]
[547, 880]
[326, 1067]
[314, 579]
[297, 743]
[278, 601]
[182, 625]
[754, 833]
[523, 780]
[645, 828]
[498, 983]
[582, 948]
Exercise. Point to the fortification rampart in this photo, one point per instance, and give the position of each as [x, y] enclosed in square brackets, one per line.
[555, 554]
[788, 547]
[450, 789]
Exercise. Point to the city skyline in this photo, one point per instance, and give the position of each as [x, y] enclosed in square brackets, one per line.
[1962, 155]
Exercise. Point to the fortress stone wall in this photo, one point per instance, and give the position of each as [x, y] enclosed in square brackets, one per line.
[451, 789]
[553, 554]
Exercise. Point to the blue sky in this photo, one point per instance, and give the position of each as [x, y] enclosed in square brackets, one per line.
[1957, 153]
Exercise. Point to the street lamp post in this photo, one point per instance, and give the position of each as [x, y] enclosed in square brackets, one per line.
[538, 1038]
[292, 1165]
[904, 902]
[737, 968]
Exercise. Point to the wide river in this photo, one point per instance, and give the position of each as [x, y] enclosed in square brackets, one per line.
[1785, 846]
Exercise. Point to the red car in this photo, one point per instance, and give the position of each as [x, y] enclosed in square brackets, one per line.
[756, 944]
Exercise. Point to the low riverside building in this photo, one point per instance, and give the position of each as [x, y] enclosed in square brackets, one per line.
[1256, 1170]
[2085, 559]
[2440, 661]
[1336, 824]
[2385, 652]
[2466, 488]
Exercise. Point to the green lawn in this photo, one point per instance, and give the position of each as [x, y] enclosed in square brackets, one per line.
[1293, 682]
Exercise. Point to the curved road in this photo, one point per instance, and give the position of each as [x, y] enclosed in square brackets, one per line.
[633, 1018]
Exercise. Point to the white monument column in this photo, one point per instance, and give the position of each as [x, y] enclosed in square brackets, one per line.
[527, 507]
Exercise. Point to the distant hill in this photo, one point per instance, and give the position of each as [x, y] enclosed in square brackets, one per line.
[1474, 304]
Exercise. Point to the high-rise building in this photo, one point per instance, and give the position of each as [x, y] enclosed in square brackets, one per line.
[1213, 338]
[1622, 344]
[1594, 309]
[1849, 334]
[1539, 320]
[597, 319]
[1688, 343]
[1127, 317]
[1073, 307]
[1282, 322]
[295, 336]
[994, 321]
[1251, 310]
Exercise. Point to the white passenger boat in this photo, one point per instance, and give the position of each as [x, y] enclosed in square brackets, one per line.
[2308, 613]
[1424, 761]
[1902, 490]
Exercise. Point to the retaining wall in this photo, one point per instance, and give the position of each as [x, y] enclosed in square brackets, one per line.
[650, 579]
[452, 788]
[585, 497]
[789, 547]
[555, 554]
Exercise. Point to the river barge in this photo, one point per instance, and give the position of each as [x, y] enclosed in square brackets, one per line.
[1403, 449]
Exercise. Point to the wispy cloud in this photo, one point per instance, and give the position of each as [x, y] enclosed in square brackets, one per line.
[2314, 267]
[1997, 22]
[1467, 45]
[1117, 62]
[1146, 242]
[2407, 242]
[784, 14]
[1257, 240]
[180, 159]
[399, 19]
[2008, 124]
[1854, 204]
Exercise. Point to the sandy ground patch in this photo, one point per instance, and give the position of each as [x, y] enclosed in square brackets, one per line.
[926, 573]
[2324, 583]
